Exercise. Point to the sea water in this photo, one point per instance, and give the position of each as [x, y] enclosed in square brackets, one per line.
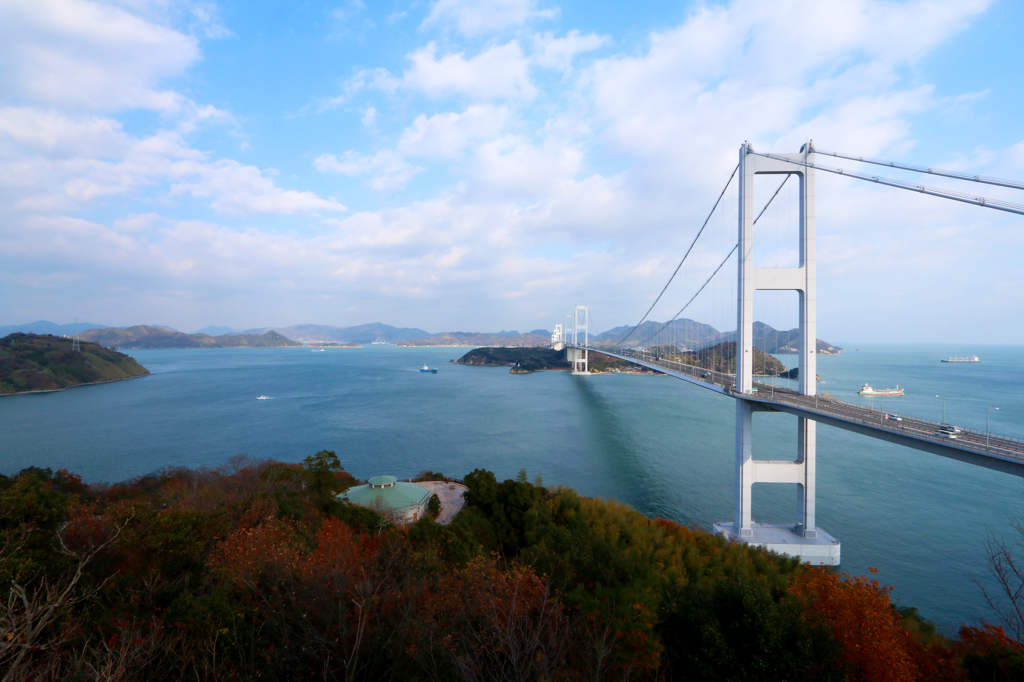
[659, 444]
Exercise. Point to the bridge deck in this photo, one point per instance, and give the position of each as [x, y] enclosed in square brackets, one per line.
[992, 451]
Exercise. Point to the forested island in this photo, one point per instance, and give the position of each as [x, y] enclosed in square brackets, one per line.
[40, 362]
[146, 336]
[719, 358]
[257, 570]
[520, 359]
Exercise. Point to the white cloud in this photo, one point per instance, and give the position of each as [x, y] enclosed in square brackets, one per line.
[558, 53]
[589, 192]
[500, 72]
[475, 17]
[445, 136]
[1015, 156]
[238, 189]
[348, 10]
[136, 222]
[82, 54]
[389, 170]
[51, 162]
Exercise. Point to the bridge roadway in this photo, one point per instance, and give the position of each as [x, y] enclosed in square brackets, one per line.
[992, 451]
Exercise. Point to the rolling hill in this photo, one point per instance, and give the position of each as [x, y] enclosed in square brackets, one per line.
[35, 362]
[145, 336]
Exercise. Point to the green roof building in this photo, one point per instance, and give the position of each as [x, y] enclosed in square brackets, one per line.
[407, 502]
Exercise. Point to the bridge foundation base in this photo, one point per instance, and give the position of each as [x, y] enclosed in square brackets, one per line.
[822, 550]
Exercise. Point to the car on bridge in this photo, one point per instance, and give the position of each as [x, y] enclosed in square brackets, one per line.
[893, 418]
[949, 431]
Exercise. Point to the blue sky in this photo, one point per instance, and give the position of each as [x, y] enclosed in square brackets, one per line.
[485, 165]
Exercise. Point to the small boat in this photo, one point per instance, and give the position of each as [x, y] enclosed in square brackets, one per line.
[970, 359]
[432, 370]
[318, 350]
[867, 390]
[263, 397]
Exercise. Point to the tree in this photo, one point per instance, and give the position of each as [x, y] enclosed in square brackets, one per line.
[32, 609]
[324, 467]
[1006, 564]
[738, 630]
[434, 506]
[860, 614]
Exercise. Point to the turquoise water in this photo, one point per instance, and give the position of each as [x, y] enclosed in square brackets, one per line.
[659, 444]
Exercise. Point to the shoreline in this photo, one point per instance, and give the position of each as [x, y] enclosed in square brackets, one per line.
[68, 388]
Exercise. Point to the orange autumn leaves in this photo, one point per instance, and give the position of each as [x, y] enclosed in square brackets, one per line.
[860, 615]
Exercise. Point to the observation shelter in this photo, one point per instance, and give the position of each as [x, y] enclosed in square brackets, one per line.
[404, 502]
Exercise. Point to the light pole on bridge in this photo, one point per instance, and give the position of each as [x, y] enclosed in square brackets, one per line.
[986, 426]
[943, 408]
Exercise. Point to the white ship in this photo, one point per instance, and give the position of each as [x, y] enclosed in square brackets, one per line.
[379, 342]
[867, 390]
[972, 358]
[263, 397]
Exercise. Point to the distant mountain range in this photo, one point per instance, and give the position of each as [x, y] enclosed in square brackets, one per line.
[364, 333]
[145, 336]
[692, 335]
[685, 334]
[533, 339]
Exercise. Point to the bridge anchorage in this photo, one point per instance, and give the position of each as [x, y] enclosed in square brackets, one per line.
[803, 539]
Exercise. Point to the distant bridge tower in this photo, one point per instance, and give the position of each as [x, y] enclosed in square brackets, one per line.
[76, 347]
[556, 338]
[803, 539]
[579, 358]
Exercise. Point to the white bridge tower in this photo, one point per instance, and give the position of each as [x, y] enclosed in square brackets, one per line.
[803, 539]
[578, 357]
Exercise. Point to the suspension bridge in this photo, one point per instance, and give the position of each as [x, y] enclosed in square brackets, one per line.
[724, 270]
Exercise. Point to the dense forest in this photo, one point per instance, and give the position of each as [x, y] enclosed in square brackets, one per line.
[720, 358]
[257, 571]
[522, 359]
[41, 362]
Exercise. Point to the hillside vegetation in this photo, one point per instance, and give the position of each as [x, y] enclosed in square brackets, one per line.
[145, 336]
[257, 571]
[721, 358]
[34, 362]
[520, 359]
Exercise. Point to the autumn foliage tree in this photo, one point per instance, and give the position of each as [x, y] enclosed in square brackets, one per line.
[256, 570]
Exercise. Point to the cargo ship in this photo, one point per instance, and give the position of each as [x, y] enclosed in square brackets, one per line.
[867, 390]
[972, 358]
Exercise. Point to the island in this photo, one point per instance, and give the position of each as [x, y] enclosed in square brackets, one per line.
[147, 337]
[721, 358]
[521, 360]
[41, 362]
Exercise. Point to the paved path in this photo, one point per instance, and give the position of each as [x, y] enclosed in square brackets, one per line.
[451, 496]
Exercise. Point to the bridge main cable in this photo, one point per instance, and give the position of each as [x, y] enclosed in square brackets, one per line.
[984, 202]
[692, 244]
[1012, 184]
[706, 282]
